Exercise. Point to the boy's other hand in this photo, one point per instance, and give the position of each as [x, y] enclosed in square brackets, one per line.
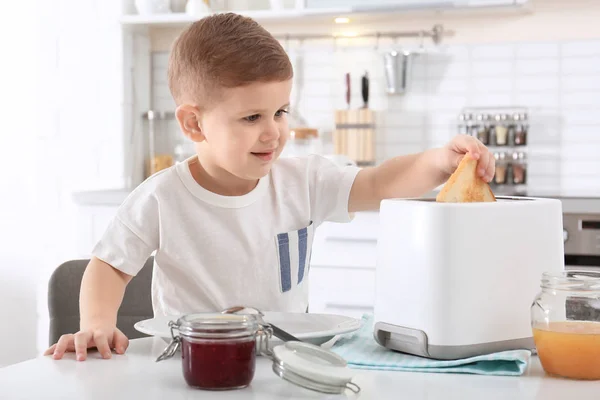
[455, 150]
[104, 339]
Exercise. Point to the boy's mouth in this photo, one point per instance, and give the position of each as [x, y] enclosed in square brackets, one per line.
[264, 156]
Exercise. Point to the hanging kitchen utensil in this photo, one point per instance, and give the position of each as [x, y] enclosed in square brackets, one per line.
[397, 68]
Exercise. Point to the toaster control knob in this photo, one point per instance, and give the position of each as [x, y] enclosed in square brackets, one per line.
[565, 235]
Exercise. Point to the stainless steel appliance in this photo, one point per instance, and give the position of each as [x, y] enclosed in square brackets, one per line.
[581, 234]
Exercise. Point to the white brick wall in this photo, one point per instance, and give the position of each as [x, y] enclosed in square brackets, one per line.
[558, 81]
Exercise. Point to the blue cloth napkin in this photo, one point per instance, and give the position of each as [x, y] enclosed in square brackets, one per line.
[361, 351]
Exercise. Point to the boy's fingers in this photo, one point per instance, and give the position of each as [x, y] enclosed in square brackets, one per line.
[62, 346]
[81, 344]
[471, 145]
[491, 168]
[483, 164]
[101, 342]
[50, 350]
[121, 342]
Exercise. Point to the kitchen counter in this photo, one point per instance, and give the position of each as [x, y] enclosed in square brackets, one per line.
[572, 204]
[136, 375]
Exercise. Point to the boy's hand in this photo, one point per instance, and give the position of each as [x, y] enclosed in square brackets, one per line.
[104, 339]
[416, 174]
[453, 153]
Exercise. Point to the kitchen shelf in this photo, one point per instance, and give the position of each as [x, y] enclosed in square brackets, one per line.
[181, 19]
[261, 16]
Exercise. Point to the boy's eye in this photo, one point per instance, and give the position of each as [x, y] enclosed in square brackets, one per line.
[280, 113]
[252, 118]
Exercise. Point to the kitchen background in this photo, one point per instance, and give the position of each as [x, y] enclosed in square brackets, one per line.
[99, 66]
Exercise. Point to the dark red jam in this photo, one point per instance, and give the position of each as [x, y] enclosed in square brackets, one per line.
[219, 364]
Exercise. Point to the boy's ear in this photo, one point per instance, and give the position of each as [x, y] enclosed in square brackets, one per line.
[188, 117]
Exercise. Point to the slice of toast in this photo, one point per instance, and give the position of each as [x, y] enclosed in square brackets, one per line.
[465, 186]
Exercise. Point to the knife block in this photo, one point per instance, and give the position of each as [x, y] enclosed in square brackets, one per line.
[354, 135]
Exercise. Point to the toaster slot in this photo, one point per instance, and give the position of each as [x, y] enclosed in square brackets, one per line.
[498, 198]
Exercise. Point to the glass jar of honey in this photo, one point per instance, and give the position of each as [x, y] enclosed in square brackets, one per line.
[565, 318]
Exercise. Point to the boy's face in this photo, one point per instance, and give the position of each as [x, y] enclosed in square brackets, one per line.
[245, 131]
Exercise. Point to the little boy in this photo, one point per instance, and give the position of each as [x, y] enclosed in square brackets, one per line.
[233, 225]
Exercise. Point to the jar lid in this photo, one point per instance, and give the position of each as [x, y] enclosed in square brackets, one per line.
[572, 280]
[216, 325]
[303, 133]
[312, 367]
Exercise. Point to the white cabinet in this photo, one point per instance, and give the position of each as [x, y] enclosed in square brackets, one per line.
[400, 5]
[488, 3]
[350, 244]
[344, 291]
[343, 259]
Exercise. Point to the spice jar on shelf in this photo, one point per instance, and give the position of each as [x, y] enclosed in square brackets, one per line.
[501, 168]
[463, 128]
[501, 129]
[470, 121]
[519, 168]
[520, 134]
[483, 128]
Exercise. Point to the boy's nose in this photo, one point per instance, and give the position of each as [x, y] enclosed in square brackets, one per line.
[271, 132]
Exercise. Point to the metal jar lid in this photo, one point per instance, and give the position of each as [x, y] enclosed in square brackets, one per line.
[216, 325]
[312, 367]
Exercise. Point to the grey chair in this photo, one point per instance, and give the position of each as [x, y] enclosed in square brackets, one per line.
[63, 300]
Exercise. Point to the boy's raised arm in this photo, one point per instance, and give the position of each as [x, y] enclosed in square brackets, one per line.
[416, 174]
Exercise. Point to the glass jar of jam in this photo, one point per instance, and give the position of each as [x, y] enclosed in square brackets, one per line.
[218, 351]
[565, 318]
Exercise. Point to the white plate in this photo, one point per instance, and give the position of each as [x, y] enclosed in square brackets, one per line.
[311, 328]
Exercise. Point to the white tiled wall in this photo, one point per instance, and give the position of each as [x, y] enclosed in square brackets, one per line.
[558, 81]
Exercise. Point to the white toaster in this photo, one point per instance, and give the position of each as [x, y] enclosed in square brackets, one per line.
[455, 280]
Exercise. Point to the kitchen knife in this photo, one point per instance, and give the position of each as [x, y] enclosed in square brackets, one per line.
[283, 335]
[348, 92]
[277, 332]
[365, 89]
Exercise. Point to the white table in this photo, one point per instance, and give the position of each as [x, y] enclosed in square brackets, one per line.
[136, 375]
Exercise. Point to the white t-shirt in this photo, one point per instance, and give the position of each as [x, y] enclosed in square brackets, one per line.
[213, 251]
